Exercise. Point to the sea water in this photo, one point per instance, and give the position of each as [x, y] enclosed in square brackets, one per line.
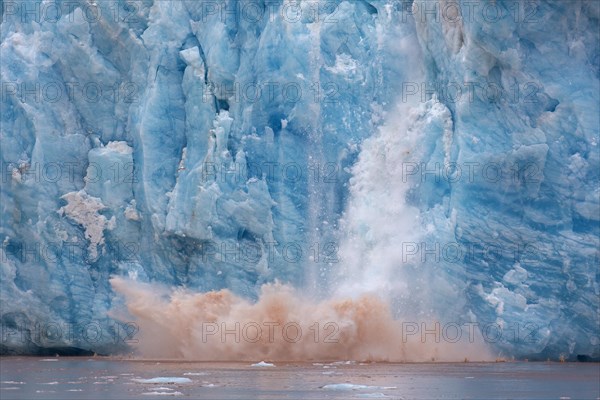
[106, 378]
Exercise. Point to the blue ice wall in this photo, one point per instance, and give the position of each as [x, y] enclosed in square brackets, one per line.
[209, 144]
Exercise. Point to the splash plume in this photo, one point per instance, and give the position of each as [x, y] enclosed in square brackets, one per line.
[281, 326]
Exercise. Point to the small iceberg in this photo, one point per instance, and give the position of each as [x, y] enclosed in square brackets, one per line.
[349, 362]
[351, 386]
[263, 364]
[162, 394]
[162, 379]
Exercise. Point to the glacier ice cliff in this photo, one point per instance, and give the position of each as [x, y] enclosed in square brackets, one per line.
[445, 154]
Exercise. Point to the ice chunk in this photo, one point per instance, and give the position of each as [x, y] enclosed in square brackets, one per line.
[351, 386]
[162, 379]
[263, 364]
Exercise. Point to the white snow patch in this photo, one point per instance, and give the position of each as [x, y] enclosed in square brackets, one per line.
[192, 58]
[131, 211]
[515, 276]
[119, 147]
[344, 64]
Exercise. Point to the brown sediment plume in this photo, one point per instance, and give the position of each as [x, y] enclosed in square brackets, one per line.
[282, 325]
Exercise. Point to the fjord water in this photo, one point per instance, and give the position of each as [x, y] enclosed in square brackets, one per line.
[99, 378]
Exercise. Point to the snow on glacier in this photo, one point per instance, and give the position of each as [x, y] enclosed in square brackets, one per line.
[145, 151]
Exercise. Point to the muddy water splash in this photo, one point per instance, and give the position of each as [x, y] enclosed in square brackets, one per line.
[281, 326]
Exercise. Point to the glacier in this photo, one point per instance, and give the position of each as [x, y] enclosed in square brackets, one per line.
[442, 154]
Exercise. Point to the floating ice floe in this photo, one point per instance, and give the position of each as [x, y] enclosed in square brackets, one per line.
[163, 379]
[351, 386]
[343, 363]
[263, 364]
[195, 373]
[162, 394]
[376, 395]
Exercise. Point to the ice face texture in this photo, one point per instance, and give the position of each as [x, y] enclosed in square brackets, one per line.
[444, 155]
